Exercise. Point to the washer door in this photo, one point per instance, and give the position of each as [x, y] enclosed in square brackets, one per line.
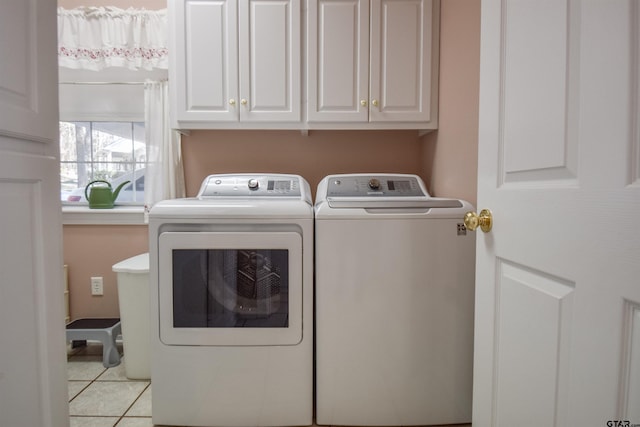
[230, 288]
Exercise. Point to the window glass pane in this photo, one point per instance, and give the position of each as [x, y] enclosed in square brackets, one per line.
[137, 186]
[121, 169]
[110, 151]
[112, 141]
[67, 141]
[133, 189]
[75, 141]
[68, 178]
[230, 288]
[101, 170]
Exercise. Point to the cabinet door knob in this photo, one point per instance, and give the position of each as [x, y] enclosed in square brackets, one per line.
[374, 102]
[363, 102]
[243, 101]
[232, 102]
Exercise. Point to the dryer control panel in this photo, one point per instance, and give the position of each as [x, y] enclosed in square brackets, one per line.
[374, 186]
[250, 186]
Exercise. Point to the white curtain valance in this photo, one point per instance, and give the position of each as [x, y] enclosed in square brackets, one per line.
[93, 38]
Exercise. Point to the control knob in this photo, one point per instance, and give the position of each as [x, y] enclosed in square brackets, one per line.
[253, 184]
[374, 184]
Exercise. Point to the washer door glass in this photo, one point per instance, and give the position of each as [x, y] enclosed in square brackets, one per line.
[223, 288]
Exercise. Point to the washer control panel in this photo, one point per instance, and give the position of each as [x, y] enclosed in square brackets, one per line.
[374, 186]
[250, 186]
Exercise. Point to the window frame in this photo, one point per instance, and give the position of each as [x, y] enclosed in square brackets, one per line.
[85, 100]
[134, 167]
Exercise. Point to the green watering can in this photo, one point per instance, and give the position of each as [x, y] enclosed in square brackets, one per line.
[102, 197]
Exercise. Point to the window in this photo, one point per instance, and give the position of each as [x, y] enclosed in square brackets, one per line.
[101, 150]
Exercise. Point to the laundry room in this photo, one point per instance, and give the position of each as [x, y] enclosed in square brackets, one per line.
[445, 158]
[443, 153]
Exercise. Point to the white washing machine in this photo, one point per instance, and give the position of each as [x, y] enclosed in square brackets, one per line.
[231, 275]
[394, 303]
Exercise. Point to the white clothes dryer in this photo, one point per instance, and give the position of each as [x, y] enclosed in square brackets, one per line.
[394, 303]
[231, 281]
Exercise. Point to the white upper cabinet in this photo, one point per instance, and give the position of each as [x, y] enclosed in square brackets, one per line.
[370, 64]
[338, 58]
[203, 68]
[270, 60]
[235, 63]
[373, 63]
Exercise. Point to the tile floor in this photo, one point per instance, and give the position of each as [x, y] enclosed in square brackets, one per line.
[105, 397]
[101, 397]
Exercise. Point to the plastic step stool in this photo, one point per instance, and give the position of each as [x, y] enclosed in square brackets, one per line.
[99, 329]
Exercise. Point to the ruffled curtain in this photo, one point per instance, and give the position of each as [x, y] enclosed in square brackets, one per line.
[93, 38]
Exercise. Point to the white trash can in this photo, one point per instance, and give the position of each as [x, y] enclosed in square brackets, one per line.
[133, 297]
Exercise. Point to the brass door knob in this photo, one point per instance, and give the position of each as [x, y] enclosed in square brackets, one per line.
[374, 102]
[363, 102]
[485, 220]
[243, 101]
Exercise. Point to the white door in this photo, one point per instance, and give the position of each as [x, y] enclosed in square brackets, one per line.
[269, 43]
[557, 339]
[402, 54]
[338, 60]
[204, 60]
[33, 383]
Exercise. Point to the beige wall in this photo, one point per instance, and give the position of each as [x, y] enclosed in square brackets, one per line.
[451, 153]
[314, 156]
[445, 159]
[92, 251]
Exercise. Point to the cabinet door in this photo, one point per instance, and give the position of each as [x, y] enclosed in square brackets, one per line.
[402, 51]
[204, 65]
[338, 60]
[269, 38]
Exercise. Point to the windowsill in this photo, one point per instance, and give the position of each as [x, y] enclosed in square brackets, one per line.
[119, 215]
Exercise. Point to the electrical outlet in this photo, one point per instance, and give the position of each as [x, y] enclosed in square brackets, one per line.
[97, 286]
